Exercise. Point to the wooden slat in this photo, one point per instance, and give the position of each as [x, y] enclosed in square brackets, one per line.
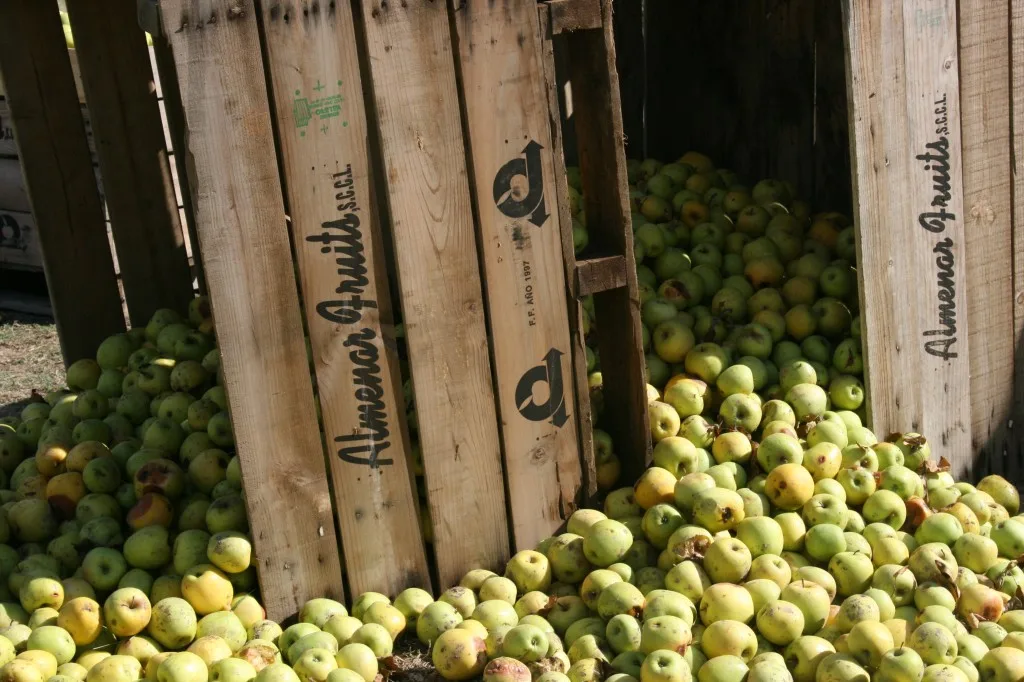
[600, 274]
[904, 96]
[985, 109]
[417, 104]
[509, 134]
[1014, 464]
[242, 230]
[174, 131]
[118, 80]
[599, 132]
[574, 15]
[321, 122]
[58, 171]
[19, 241]
[584, 418]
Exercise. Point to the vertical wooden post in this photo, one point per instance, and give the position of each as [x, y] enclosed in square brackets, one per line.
[313, 62]
[511, 152]
[120, 93]
[909, 208]
[58, 172]
[417, 106]
[988, 222]
[242, 230]
[595, 89]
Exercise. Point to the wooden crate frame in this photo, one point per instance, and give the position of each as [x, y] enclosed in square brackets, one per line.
[805, 84]
[492, 317]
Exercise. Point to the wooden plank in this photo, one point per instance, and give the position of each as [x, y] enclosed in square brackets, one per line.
[118, 81]
[19, 241]
[1015, 425]
[594, 275]
[242, 230]
[58, 171]
[909, 200]
[985, 110]
[605, 191]
[13, 194]
[509, 135]
[174, 131]
[417, 104]
[314, 67]
[9, 146]
[584, 418]
[574, 15]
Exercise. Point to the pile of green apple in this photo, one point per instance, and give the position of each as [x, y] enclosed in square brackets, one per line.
[742, 290]
[122, 520]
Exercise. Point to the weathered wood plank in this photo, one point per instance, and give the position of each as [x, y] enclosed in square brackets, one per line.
[243, 235]
[320, 113]
[985, 110]
[599, 133]
[905, 104]
[1015, 426]
[594, 275]
[48, 125]
[417, 105]
[118, 81]
[584, 418]
[509, 136]
[574, 15]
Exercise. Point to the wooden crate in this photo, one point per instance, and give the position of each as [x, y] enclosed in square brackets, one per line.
[380, 187]
[843, 99]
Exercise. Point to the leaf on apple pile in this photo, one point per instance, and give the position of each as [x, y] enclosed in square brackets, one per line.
[36, 397]
[1016, 601]
[694, 548]
[546, 609]
[947, 578]
[894, 437]
[931, 467]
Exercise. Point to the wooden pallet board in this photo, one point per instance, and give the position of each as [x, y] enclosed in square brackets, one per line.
[905, 107]
[600, 138]
[511, 152]
[242, 231]
[321, 121]
[118, 81]
[1015, 455]
[985, 112]
[417, 106]
[66, 206]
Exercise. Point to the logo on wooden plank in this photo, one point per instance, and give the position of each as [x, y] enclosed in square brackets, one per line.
[508, 189]
[550, 372]
[342, 239]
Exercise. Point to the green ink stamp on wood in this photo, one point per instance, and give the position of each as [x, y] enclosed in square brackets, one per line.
[321, 108]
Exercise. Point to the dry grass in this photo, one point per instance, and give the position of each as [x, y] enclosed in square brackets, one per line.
[29, 359]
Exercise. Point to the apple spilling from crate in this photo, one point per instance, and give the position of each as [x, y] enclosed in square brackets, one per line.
[774, 539]
[744, 294]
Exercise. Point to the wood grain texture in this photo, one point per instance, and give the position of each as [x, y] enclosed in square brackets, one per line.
[574, 15]
[417, 106]
[321, 124]
[905, 95]
[600, 274]
[58, 171]
[509, 138]
[584, 417]
[985, 114]
[13, 193]
[118, 81]
[243, 236]
[598, 118]
[9, 146]
[1014, 461]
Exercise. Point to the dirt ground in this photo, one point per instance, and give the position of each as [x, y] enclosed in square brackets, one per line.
[29, 359]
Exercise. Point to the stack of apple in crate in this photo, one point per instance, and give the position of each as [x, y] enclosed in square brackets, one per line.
[774, 539]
